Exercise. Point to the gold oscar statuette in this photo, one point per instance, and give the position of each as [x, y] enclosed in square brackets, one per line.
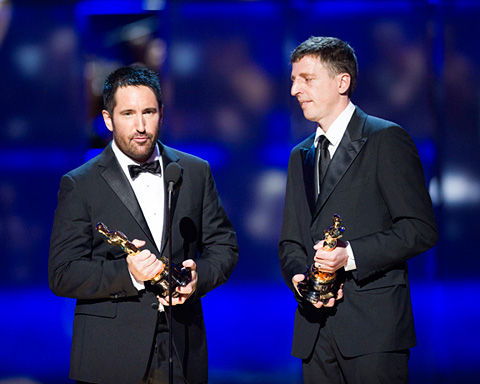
[317, 285]
[180, 277]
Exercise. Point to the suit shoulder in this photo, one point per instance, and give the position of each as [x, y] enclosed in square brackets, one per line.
[375, 123]
[188, 156]
[305, 144]
[387, 134]
[377, 126]
[86, 168]
[189, 159]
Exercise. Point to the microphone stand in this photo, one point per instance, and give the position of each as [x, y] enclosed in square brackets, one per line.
[173, 175]
[170, 334]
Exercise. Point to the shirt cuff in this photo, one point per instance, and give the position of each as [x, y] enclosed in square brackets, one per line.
[351, 259]
[139, 285]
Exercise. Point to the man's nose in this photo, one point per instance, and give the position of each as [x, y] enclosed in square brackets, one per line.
[296, 89]
[141, 123]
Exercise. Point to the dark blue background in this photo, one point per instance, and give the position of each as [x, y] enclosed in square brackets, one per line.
[225, 73]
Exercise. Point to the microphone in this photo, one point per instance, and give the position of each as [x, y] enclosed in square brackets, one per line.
[173, 175]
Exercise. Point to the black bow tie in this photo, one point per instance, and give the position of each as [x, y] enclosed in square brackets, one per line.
[153, 167]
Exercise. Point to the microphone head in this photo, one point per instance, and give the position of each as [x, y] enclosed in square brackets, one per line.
[173, 173]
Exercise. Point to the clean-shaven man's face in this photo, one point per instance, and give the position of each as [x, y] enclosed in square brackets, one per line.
[135, 122]
[317, 90]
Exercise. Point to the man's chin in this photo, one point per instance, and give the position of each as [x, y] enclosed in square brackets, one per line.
[141, 155]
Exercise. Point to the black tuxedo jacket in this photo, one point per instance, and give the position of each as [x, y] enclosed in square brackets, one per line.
[375, 182]
[114, 324]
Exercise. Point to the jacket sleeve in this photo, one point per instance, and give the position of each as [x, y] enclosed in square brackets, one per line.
[78, 268]
[292, 253]
[402, 184]
[218, 253]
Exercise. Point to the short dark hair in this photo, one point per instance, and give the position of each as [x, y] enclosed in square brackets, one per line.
[130, 76]
[337, 55]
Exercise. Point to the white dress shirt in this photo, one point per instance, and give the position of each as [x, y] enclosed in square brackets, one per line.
[149, 191]
[334, 135]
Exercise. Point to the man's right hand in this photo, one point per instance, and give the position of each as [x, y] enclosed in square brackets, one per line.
[143, 266]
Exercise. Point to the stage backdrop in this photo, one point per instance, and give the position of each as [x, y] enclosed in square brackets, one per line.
[225, 73]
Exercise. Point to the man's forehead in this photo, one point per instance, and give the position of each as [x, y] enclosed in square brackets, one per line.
[129, 96]
[307, 64]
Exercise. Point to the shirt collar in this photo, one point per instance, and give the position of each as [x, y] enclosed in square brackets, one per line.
[338, 128]
[125, 161]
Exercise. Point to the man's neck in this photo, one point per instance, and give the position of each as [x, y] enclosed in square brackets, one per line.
[330, 119]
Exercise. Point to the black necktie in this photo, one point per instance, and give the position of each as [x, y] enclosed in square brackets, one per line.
[153, 167]
[322, 159]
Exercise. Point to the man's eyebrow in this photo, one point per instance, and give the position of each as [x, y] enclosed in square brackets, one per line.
[303, 74]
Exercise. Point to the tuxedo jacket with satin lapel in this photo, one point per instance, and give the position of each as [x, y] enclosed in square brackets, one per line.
[114, 324]
[375, 182]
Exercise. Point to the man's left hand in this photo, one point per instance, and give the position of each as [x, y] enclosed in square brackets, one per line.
[330, 261]
[186, 291]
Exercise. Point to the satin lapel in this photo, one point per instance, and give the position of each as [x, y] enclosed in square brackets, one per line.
[116, 179]
[308, 156]
[350, 145]
[168, 156]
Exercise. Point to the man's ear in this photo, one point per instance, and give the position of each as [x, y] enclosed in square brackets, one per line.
[108, 120]
[344, 83]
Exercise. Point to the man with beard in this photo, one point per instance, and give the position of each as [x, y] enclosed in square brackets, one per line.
[120, 330]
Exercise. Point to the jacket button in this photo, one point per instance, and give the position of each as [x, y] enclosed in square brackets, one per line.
[155, 306]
